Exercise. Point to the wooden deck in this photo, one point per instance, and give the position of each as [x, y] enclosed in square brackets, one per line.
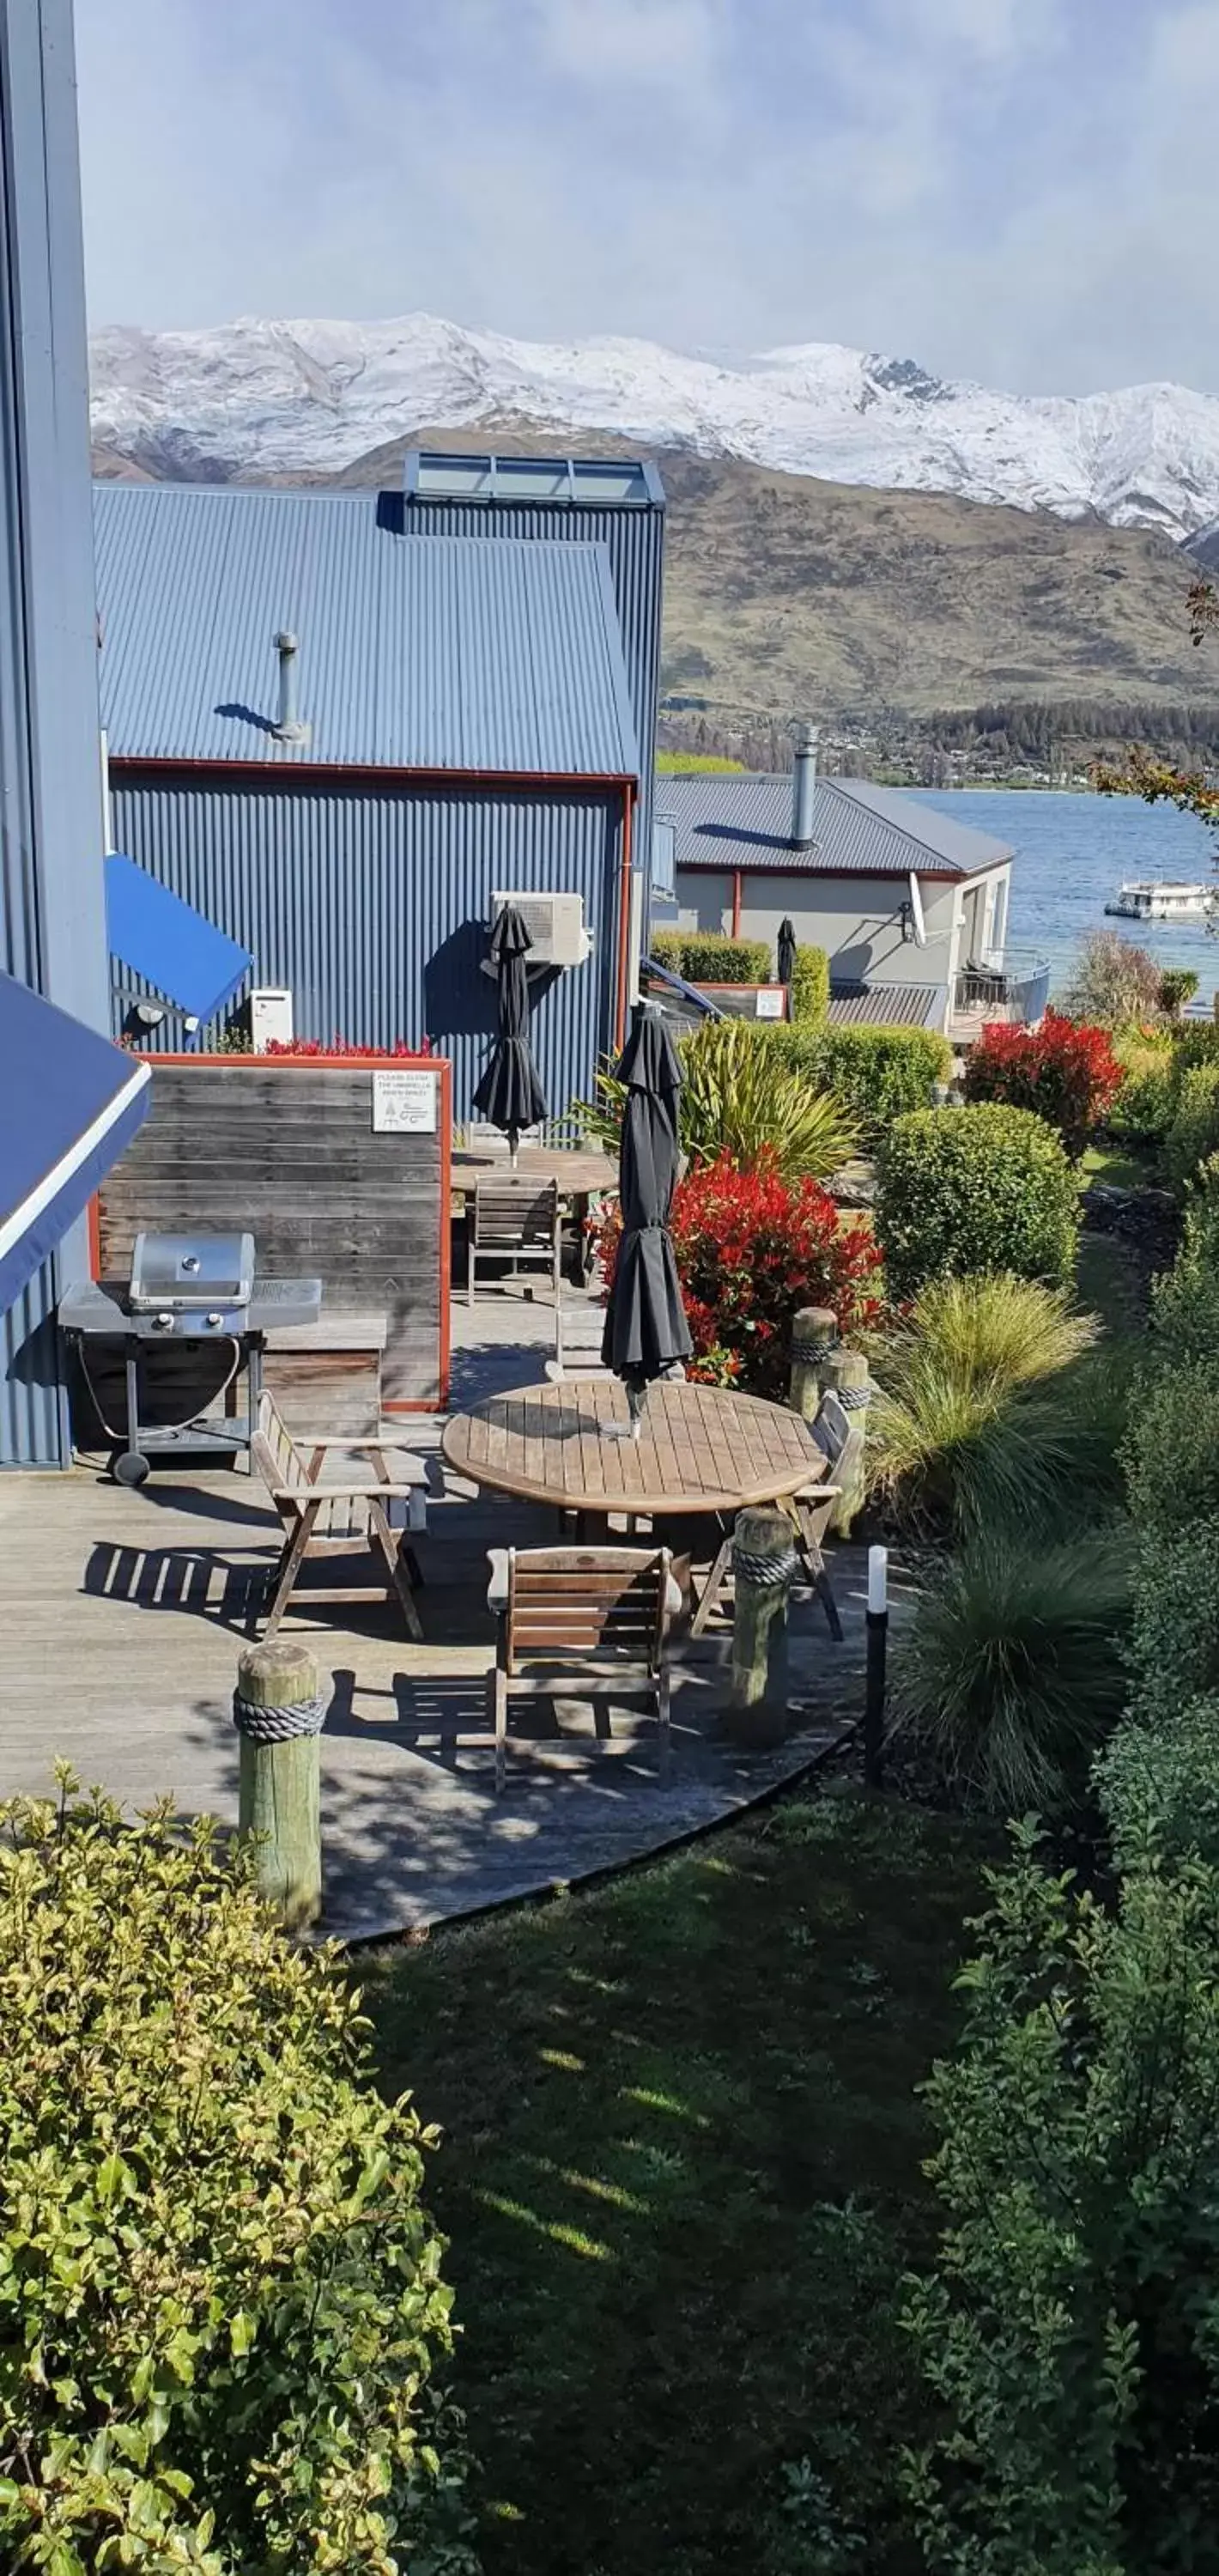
[122, 1615]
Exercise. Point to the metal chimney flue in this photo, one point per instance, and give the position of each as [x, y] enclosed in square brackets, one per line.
[288, 726]
[804, 786]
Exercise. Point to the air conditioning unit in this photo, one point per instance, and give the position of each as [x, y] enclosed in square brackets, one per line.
[270, 1017]
[555, 923]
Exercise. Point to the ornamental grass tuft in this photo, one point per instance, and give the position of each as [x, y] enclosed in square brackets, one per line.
[1015, 1671]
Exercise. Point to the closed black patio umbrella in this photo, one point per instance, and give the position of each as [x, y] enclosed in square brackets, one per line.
[786, 958]
[646, 1333]
[510, 1091]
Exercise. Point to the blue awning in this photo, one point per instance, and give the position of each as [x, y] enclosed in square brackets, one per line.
[169, 943]
[69, 1104]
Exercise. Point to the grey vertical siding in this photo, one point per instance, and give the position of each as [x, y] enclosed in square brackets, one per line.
[52, 930]
[633, 537]
[371, 901]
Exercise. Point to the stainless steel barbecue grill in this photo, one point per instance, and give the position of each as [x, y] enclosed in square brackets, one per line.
[183, 1289]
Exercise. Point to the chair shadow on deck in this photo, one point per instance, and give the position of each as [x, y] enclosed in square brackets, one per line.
[443, 1719]
[202, 1582]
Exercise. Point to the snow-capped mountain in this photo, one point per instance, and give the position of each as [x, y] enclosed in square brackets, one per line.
[284, 397]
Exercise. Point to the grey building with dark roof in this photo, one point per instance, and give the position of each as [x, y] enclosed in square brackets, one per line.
[905, 901]
[471, 669]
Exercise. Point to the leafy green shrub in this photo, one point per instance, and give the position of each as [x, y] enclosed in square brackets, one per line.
[879, 1074]
[1174, 1646]
[1178, 985]
[1144, 1105]
[967, 1190]
[1196, 1045]
[1014, 1670]
[957, 1372]
[1172, 1459]
[220, 2296]
[1192, 1135]
[810, 988]
[1159, 1788]
[1185, 1300]
[740, 1099]
[1067, 2329]
[711, 957]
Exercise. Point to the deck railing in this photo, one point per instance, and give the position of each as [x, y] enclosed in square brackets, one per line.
[1017, 990]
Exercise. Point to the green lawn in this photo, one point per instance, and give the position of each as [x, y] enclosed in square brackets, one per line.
[681, 2176]
[1125, 1167]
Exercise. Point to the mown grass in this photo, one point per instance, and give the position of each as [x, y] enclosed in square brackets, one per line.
[681, 2178]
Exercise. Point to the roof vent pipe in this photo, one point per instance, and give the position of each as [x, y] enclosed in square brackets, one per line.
[288, 726]
[804, 786]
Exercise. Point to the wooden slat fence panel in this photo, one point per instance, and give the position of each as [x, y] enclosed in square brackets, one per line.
[287, 1150]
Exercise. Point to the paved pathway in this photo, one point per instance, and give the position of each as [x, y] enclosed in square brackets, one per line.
[122, 1615]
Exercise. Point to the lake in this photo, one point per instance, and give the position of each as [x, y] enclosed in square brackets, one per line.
[1073, 852]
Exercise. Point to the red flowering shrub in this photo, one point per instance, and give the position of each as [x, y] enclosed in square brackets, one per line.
[1065, 1071]
[751, 1250]
[341, 1046]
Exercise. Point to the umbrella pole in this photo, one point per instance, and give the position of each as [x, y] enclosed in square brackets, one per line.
[514, 1148]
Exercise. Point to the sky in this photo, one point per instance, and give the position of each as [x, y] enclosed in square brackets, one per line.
[1025, 192]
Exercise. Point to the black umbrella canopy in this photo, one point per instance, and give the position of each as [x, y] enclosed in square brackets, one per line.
[646, 1332]
[510, 1090]
[786, 958]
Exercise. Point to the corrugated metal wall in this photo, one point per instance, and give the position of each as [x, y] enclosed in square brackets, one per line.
[371, 902]
[52, 931]
[634, 540]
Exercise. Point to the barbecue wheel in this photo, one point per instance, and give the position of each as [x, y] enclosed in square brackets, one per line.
[129, 1468]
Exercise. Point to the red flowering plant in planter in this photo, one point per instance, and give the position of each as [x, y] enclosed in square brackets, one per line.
[341, 1046]
[752, 1249]
[1064, 1070]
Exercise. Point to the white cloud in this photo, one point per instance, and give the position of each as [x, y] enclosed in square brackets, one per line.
[660, 43]
[1009, 189]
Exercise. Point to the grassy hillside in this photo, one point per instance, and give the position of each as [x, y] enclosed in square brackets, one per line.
[787, 595]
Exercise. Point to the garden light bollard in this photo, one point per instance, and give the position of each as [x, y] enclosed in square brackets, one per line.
[845, 1374]
[874, 1686]
[814, 1334]
[763, 1565]
[278, 1710]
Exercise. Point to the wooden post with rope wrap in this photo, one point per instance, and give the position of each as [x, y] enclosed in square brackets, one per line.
[763, 1565]
[278, 1710]
[814, 1336]
[844, 1373]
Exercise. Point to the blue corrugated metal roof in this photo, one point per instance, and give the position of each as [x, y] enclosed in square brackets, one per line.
[745, 822]
[415, 652]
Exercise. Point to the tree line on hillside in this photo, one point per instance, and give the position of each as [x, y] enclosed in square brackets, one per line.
[1051, 737]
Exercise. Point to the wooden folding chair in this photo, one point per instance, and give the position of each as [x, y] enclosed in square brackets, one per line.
[812, 1510]
[557, 1606]
[517, 1221]
[338, 1520]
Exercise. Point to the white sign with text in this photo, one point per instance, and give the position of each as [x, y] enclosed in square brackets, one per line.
[404, 1104]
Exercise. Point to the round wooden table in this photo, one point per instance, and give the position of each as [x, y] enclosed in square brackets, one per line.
[700, 1449]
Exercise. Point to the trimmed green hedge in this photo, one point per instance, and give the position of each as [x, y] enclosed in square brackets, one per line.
[810, 988]
[1192, 1135]
[878, 1074]
[711, 957]
[222, 2312]
[975, 1189]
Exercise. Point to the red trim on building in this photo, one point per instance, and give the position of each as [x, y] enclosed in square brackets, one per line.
[129, 763]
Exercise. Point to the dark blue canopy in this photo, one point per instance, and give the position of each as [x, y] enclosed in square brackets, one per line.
[69, 1104]
[168, 942]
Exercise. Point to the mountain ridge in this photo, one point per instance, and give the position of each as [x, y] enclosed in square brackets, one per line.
[279, 398]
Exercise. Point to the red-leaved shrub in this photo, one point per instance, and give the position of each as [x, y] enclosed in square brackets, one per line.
[1064, 1070]
[341, 1046]
[751, 1250]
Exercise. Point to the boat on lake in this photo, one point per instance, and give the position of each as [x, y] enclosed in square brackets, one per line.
[1158, 899]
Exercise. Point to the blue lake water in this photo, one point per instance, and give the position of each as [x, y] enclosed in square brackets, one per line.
[1073, 852]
